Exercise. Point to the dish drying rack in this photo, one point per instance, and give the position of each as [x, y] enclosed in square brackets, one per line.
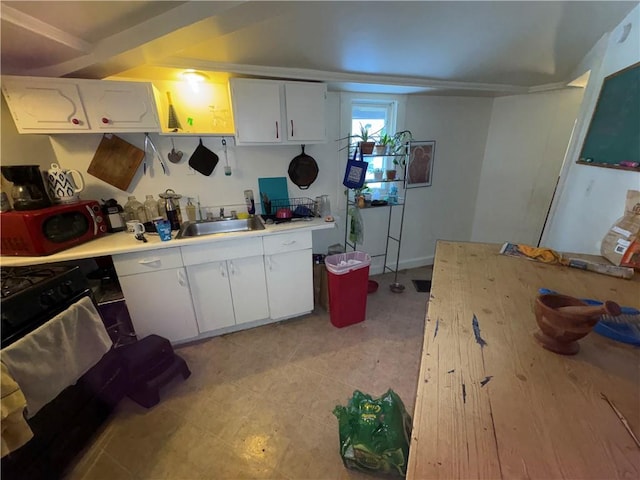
[302, 207]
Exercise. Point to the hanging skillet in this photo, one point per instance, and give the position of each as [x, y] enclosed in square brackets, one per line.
[303, 170]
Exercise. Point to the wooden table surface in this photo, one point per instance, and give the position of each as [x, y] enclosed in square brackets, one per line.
[510, 409]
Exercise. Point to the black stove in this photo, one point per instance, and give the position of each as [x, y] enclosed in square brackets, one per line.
[33, 295]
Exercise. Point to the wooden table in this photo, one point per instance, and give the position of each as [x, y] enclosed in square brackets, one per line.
[511, 409]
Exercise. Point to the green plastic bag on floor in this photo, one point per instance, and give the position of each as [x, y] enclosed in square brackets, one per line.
[374, 433]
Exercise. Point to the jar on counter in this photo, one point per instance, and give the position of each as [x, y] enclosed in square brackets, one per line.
[133, 208]
[151, 208]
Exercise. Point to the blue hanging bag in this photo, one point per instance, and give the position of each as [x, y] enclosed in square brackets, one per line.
[356, 171]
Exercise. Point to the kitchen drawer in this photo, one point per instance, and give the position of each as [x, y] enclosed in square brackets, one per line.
[219, 251]
[286, 242]
[149, 261]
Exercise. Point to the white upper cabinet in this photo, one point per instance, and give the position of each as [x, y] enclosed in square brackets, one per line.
[44, 105]
[120, 106]
[61, 105]
[256, 111]
[305, 105]
[274, 112]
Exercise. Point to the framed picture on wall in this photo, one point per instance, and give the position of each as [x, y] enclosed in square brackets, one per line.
[420, 166]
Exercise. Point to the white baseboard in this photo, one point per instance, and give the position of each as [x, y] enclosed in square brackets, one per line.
[376, 268]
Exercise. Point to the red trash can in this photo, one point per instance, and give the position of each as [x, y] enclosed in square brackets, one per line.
[348, 282]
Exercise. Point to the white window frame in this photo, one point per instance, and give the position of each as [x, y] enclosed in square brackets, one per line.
[396, 107]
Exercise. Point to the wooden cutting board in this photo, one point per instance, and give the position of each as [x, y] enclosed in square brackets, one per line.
[115, 161]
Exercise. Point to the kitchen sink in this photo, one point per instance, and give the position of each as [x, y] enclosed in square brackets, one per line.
[211, 227]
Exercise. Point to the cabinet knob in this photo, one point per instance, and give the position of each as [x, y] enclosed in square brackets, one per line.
[105, 120]
[75, 121]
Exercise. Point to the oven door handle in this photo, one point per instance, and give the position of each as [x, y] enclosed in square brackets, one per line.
[95, 220]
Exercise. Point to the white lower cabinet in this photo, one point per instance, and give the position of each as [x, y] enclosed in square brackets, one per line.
[211, 295]
[227, 283]
[289, 271]
[226, 293]
[156, 291]
[183, 292]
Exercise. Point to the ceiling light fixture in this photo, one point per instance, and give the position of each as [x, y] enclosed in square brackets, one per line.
[194, 78]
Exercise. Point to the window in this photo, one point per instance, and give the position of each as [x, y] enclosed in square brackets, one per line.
[378, 115]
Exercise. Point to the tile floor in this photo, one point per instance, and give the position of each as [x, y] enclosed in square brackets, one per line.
[259, 402]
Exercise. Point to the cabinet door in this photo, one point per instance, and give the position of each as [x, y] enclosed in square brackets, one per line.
[248, 289]
[211, 294]
[159, 302]
[305, 107]
[290, 283]
[256, 111]
[44, 106]
[120, 106]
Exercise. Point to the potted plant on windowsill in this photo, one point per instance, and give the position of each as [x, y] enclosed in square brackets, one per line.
[367, 141]
[365, 137]
[384, 143]
[398, 148]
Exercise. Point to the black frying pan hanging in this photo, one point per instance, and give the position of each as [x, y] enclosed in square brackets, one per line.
[303, 170]
[203, 160]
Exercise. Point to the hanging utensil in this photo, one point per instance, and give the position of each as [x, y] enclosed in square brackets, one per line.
[149, 142]
[227, 168]
[174, 156]
[203, 160]
[303, 170]
[155, 150]
[144, 161]
[174, 123]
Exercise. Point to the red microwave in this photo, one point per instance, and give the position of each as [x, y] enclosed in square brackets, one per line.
[49, 230]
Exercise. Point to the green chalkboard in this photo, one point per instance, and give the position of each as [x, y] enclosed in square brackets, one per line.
[614, 132]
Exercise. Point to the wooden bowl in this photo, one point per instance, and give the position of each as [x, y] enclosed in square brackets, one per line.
[559, 331]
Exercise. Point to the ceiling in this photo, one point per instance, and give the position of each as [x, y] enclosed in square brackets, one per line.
[472, 48]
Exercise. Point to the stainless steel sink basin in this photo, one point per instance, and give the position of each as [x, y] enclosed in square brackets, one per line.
[211, 227]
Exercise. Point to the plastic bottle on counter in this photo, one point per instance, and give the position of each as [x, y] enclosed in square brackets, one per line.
[191, 210]
[151, 208]
[132, 209]
[250, 202]
[392, 198]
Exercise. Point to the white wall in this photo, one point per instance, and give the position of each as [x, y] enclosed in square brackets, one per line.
[444, 210]
[459, 126]
[590, 199]
[527, 141]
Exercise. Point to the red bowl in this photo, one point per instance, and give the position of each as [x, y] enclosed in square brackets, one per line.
[372, 286]
[284, 213]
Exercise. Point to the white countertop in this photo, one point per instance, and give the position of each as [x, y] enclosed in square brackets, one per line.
[124, 242]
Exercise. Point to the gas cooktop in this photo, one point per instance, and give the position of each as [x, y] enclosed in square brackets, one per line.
[17, 279]
[34, 295]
